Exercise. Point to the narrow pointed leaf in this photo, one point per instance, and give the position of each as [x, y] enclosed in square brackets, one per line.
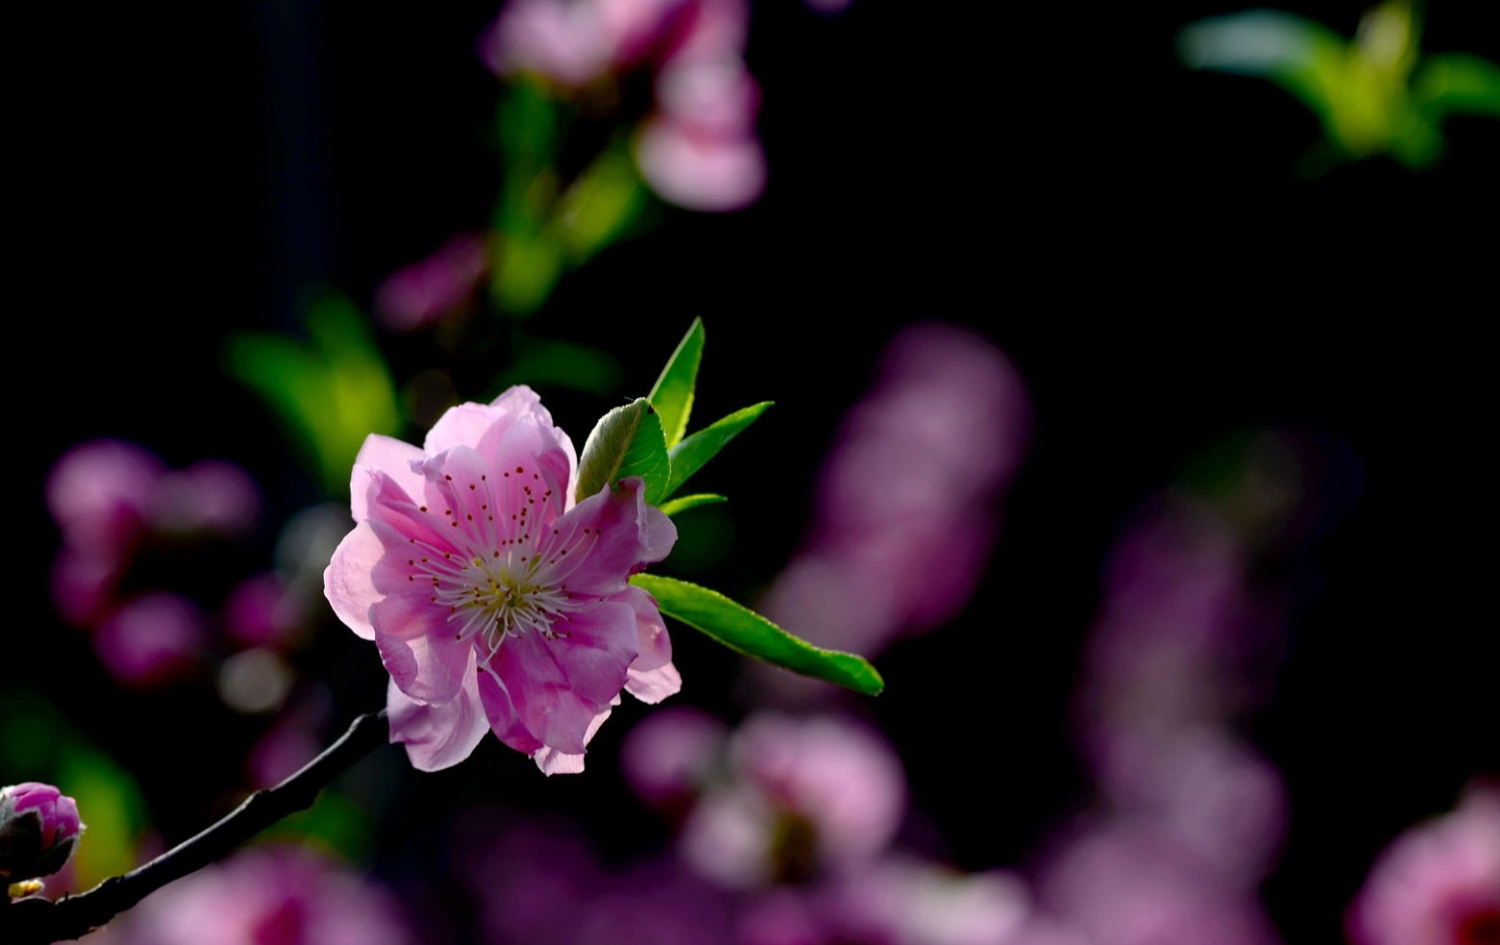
[689, 455]
[627, 441]
[683, 503]
[1454, 83]
[673, 394]
[1302, 56]
[747, 632]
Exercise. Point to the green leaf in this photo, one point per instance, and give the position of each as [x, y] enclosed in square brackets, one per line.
[747, 632]
[1454, 83]
[1302, 56]
[526, 271]
[600, 206]
[547, 363]
[329, 393]
[673, 394]
[690, 454]
[686, 502]
[627, 441]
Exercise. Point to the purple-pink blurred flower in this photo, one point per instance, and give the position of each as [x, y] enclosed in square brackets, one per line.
[538, 881]
[497, 602]
[1438, 883]
[698, 147]
[151, 639]
[100, 495]
[262, 611]
[670, 756]
[1122, 883]
[907, 501]
[893, 901]
[109, 498]
[1164, 677]
[211, 496]
[267, 896]
[39, 829]
[83, 585]
[436, 287]
[804, 796]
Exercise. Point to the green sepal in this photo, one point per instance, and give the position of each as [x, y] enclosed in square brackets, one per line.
[692, 452]
[744, 631]
[627, 441]
[673, 394]
[683, 503]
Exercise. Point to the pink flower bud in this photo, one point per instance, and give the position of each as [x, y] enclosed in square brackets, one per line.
[38, 830]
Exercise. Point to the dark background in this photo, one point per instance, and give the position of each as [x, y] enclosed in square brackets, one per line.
[1131, 233]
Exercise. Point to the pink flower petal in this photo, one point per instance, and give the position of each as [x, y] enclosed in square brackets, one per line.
[437, 735]
[491, 596]
[652, 677]
[348, 580]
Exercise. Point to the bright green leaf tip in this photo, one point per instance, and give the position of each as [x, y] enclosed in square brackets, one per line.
[672, 395]
[747, 632]
[689, 455]
[683, 503]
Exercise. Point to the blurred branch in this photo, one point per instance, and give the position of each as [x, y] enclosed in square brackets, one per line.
[38, 921]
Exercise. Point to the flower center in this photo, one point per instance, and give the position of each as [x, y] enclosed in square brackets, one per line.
[504, 597]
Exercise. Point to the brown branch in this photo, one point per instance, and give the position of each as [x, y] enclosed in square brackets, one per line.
[38, 921]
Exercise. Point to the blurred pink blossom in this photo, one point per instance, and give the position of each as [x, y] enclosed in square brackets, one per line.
[894, 901]
[670, 756]
[266, 896]
[907, 504]
[151, 639]
[565, 41]
[698, 146]
[440, 285]
[263, 611]
[1163, 680]
[1438, 883]
[83, 585]
[803, 796]
[700, 171]
[538, 881]
[100, 494]
[211, 496]
[1122, 883]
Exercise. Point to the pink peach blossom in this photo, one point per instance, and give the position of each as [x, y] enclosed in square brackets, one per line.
[39, 828]
[497, 603]
[1438, 883]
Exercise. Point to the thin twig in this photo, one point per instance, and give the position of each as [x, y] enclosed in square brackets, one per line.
[37, 921]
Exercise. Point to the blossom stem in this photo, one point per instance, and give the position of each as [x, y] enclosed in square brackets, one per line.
[38, 921]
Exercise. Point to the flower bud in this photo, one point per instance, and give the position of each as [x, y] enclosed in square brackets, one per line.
[38, 830]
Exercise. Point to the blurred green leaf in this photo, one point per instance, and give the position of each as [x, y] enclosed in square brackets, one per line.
[527, 266]
[1363, 90]
[110, 805]
[691, 453]
[329, 393]
[672, 395]
[547, 363]
[1454, 83]
[627, 441]
[682, 504]
[334, 822]
[526, 128]
[600, 206]
[747, 632]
